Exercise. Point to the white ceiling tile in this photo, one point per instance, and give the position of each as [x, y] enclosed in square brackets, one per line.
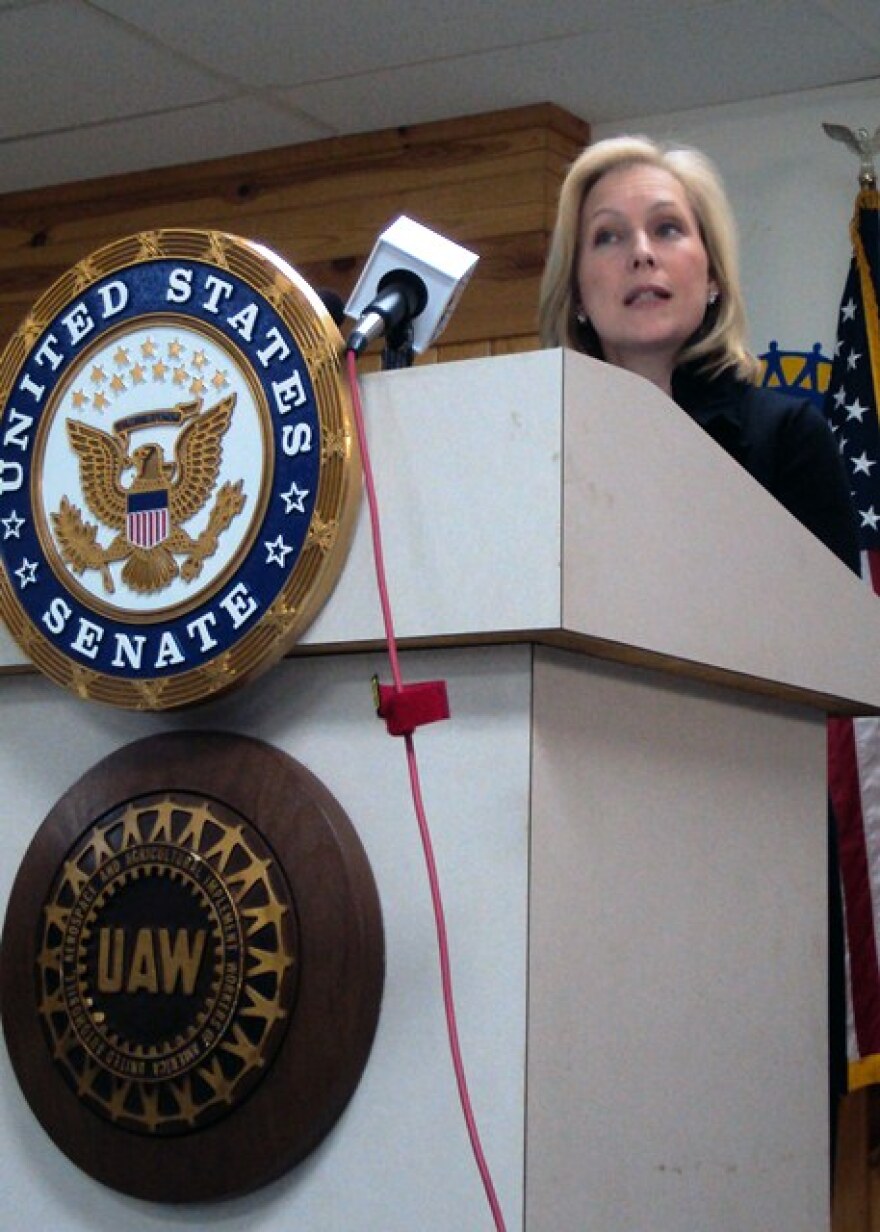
[63, 64]
[72, 70]
[605, 75]
[861, 17]
[288, 43]
[213, 130]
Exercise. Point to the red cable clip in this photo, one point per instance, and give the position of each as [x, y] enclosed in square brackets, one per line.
[413, 705]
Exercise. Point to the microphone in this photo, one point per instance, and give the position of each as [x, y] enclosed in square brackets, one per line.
[413, 278]
[401, 296]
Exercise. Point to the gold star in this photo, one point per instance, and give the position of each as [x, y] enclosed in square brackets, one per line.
[31, 331]
[150, 693]
[28, 641]
[79, 399]
[217, 673]
[198, 387]
[121, 357]
[335, 443]
[100, 402]
[217, 250]
[181, 376]
[199, 360]
[148, 349]
[281, 619]
[159, 371]
[220, 380]
[80, 682]
[175, 349]
[316, 355]
[137, 374]
[322, 533]
[221, 669]
[84, 274]
[276, 294]
[117, 384]
[97, 375]
[150, 244]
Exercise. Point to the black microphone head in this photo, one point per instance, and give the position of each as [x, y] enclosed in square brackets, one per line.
[409, 284]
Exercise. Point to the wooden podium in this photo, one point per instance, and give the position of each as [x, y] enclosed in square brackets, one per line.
[628, 809]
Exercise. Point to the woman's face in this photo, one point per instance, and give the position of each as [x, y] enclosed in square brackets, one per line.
[643, 271]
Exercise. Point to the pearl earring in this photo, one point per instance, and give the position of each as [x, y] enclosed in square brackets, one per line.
[712, 297]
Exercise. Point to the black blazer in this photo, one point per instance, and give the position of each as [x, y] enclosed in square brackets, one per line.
[786, 444]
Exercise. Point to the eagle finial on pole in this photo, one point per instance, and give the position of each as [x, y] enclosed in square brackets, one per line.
[862, 144]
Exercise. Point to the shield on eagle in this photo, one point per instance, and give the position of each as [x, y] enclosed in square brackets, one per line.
[146, 520]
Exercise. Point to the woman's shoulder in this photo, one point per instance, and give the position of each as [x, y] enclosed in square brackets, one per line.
[746, 417]
[760, 413]
[777, 426]
[791, 441]
[785, 442]
[780, 404]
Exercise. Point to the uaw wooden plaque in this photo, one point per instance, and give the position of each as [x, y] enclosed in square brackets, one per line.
[179, 475]
[192, 967]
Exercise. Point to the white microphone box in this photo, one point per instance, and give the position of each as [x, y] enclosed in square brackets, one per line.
[444, 266]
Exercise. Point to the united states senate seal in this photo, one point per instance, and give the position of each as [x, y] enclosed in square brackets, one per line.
[178, 469]
[192, 966]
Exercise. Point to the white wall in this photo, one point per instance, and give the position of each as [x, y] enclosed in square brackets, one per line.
[792, 190]
[401, 1144]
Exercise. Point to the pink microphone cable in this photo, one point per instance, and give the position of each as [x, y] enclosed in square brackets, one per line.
[415, 785]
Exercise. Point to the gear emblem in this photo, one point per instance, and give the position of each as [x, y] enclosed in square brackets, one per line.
[167, 966]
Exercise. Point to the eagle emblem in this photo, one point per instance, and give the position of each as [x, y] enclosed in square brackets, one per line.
[863, 145]
[147, 514]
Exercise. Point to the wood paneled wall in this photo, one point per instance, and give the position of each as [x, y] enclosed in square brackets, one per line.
[856, 1206]
[489, 182]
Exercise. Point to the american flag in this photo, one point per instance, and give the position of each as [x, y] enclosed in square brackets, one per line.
[852, 406]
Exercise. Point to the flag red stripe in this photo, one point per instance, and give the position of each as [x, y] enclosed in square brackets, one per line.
[855, 875]
[871, 569]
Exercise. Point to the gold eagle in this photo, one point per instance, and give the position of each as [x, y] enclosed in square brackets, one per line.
[186, 483]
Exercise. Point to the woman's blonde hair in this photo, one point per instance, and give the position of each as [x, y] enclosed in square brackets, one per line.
[720, 342]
